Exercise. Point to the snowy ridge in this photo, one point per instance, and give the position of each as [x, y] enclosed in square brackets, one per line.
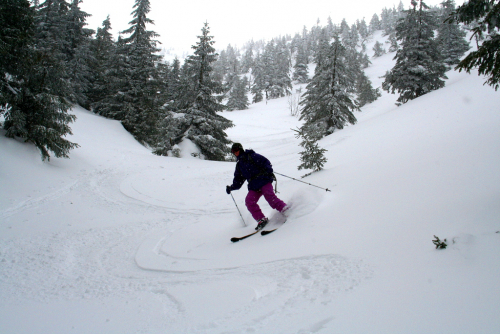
[117, 240]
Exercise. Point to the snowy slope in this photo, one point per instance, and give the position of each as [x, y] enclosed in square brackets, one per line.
[117, 240]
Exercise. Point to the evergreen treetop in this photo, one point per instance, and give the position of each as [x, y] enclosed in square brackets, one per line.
[419, 68]
[485, 14]
[327, 104]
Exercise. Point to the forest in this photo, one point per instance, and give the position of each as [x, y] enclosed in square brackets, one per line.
[50, 61]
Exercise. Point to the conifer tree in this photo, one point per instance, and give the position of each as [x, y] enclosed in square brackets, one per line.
[238, 99]
[330, 27]
[451, 38]
[247, 60]
[307, 49]
[142, 75]
[233, 63]
[258, 81]
[419, 68]
[17, 31]
[301, 72]
[378, 49]
[220, 67]
[387, 21]
[284, 64]
[102, 48]
[351, 39]
[363, 30]
[365, 92]
[112, 103]
[134, 97]
[33, 91]
[276, 70]
[172, 82]
[486, 59]
[328, 105]
[272, 71]
[199, 121]
[374, 23]
[313, 156]
[171, 92]
[393, 41]
[79, 56]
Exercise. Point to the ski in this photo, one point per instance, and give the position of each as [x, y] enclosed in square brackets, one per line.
[266, 232]
[236, 239]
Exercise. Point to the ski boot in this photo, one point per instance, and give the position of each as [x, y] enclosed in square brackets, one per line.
[261, 223]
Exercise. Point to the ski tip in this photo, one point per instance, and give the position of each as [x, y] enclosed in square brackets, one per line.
[235, 239]
[267, 232]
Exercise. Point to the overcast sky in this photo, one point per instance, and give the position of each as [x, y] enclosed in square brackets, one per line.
[232, 21]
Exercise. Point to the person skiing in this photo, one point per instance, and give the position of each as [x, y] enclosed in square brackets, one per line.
[258, 171]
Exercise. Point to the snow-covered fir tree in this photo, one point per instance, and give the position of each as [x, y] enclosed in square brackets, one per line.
[419, 67]
[313, 156]
[259, 82]
[351, 39]
[227, 67]
[102, 48]
[344, 29]
[389, 20]
[34, 93]
[17, 30]
[134, 98]
[328, 103]
[142, 75]
[247, 59]
[172, 87]
[172, 92]
[374, 23]
[238, 99]
[393, 42]
[79, 55]
[300, 69]
[111, 103]
[365, 91]
[378, 49]
[276, 69]
[487, 57]
[363, 31]
[198, 121]
[451, 38]
[330, 27]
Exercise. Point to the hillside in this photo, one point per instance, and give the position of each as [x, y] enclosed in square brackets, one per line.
[117, 240]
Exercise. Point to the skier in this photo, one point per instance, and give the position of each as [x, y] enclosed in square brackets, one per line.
[257, 170]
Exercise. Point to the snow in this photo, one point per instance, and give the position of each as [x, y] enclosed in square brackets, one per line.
[117, 240]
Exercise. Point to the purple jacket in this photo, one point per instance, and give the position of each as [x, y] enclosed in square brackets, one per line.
[254, 168]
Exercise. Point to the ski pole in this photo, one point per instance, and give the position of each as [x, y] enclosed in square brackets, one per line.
[238, 210]
[303, 182]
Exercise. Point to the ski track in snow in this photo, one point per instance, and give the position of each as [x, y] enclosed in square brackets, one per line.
[34, 203]
[98, 263]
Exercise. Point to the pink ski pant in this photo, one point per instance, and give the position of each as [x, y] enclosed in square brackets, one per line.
[254, 196]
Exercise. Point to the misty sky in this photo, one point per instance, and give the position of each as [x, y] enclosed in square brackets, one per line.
[234, 22]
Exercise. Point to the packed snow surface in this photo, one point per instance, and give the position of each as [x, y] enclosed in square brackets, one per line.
[117, 240]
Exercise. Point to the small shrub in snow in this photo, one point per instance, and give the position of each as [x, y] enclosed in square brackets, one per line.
[440, 244]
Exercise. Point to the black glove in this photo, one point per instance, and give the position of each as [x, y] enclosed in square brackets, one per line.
[228, 189]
